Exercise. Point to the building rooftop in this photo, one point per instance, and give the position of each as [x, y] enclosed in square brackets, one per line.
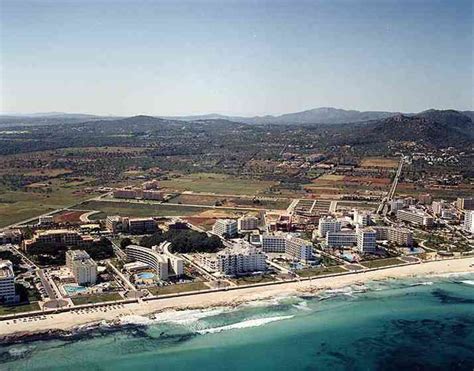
[6, 269]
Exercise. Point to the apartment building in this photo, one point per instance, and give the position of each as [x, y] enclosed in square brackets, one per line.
[155, 260]
[82, 267]
[13, 236]
[7, 282]
[415, 216]
[240, 259]
[117, 224]
[341, 239]
[225, 227]
[465, 203]
[468, 225]
[58, 237]
[396, 205]
[293, 246]
[328, 224]
[362, 218]
[247, 223]
[398, 235]
[298, 248]
[366, 240]
[175, 263]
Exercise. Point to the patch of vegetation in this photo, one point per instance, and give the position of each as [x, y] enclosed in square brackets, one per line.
[249, 280]
[320, 271]
[180, 287]
[184, 241]
[381, 262]
[97, 298]
[56, 255]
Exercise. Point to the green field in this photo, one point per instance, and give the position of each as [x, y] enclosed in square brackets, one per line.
[16, 206]
[217, 183]
[98, 298]
[382, 262]
[312, 272]
[249, 280]
[244, 202]
[180, 287]
[4, 309]
[138, 210]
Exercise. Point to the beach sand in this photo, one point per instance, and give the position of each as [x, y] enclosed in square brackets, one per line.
[71, 320]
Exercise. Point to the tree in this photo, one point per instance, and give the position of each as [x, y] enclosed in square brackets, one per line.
[125, 242]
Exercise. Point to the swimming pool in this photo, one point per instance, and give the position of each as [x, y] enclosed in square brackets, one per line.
[146, 275]
[74, 289]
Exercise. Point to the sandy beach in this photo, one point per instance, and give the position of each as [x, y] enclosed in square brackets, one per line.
[73, 319]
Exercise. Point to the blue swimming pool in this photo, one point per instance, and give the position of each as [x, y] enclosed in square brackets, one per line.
[74, 289]
[146, 275]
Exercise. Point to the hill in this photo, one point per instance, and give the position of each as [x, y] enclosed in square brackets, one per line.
[323, 115]
[433, 128]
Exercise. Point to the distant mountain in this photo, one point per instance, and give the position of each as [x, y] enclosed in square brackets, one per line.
[469, 114]
[48, 118]
[324, 115]
[433, 127]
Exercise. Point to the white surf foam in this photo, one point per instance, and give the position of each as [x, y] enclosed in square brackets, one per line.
[468, 282]
[427, 283]
[181, 317]
[244, 324]
[302, 306]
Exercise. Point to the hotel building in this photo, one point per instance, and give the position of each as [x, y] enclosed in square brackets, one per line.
[225, 227]
[468, 225]
[415, 216]
[295, 247]
[465, 203]
[152, 258]
[7, 282]
[400, 236]
[240, 259]
[341, 239]
[117, 224]
[82, 267]
[13, 236]
[366, 240]
[328, 224]
[247, 223]
[58, 237]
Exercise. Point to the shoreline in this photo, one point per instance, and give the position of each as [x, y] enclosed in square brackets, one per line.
[66, 322]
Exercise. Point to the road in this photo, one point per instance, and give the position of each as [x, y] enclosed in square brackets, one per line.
[29, 220]
[383, 207]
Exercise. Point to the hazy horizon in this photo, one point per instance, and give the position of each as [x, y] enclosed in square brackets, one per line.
[241, 58]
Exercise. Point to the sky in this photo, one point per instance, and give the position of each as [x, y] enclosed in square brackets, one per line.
[117, 57]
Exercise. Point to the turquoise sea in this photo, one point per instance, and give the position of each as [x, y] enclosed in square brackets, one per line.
[413, 324]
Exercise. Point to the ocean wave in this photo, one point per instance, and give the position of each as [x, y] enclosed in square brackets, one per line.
[181, 317]
[302, 306]
[427, 283]
[453, 274]
[244, 324]
[468, 282]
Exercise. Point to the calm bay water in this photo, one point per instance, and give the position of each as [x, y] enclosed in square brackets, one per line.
[416, 324]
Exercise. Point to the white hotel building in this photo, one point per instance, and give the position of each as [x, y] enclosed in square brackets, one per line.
[247, 223]
[415, 216]
[241, 258]
[82, 267]
[225, 227]
[295, 247]
[341, 239]
[366, 240]
[328, 224]
[469, 221]
[7, 282]
[150, 257]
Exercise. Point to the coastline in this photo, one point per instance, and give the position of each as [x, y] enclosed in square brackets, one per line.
[62, 323]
